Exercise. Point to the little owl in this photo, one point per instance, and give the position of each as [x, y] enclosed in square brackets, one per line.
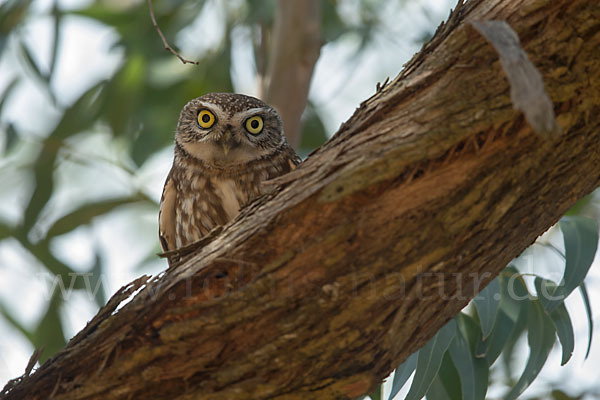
[226, 146]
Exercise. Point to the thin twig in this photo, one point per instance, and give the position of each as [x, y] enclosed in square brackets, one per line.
[164, 40]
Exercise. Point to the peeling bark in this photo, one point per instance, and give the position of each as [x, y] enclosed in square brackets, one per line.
[357, 257]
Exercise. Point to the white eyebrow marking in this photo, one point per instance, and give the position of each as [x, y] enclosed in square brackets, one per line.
[215, 109]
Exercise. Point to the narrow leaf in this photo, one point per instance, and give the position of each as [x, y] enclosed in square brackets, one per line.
[75, 118]
[588, 311]
[33, 63]
[429, 361]
[437, 391]
[515, 304]
[492, 346]
[377, 393]
[560, 318]
[487, 303]
[402, 373]
[11, 137]
[564, 329]
[5, 95]
[450, 378]
[540, 337]
[580, 236]
[49, 332]
[84, 215]
[470, 332]
[463, 362]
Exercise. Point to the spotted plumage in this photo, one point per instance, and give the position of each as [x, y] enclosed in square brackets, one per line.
[226, 146]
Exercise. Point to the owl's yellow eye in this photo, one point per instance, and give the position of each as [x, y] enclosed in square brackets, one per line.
[206, 119]
[254, 125]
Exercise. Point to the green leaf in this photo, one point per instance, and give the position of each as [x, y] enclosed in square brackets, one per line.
[588, 311]
[5, 230]
[487, 304]
[463, 361]
[84, 214]
[402, 373]
[6, 94]
[560, 318]
[450, 378]
[12, 13]
[32, 63]
[540, 337]
[437, 391]
[49, 332]
[75, 119]
[515, 304]
[96, 287]
[492, 346]
[580, 236]
[12, 320]
[469, 330]
[560, 395]
[377, 393]
[564, 329]
[429, 361]
[11, 137]
[41, 251]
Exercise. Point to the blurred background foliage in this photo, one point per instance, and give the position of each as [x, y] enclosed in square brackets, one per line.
[86, 136]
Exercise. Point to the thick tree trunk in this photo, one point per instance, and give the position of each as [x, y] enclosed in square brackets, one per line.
[358, 256]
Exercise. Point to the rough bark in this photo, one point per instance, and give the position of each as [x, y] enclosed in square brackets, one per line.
[358, 256]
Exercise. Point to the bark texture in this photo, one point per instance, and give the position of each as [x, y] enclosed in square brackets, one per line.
[359, 255]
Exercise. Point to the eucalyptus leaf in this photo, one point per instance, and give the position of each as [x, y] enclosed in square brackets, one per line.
[515, 305]
[84, 214]
[540, 337]
[75, 118]
[7, 92]
[377, 393]
[493, 345]
[11, 137]
[560, 318]
[588, 311]
[437, 391]
[487, 303]
[402, 373]
[450, 378]
[49, 332]
[463, 362]
[469, 329]
[429, 361]
[580, 236]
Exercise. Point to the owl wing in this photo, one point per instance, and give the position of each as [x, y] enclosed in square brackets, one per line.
[166, 215]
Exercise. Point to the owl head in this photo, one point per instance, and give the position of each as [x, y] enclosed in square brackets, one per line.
[226, 128]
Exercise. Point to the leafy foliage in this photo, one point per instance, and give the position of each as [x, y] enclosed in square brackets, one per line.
[505, 310]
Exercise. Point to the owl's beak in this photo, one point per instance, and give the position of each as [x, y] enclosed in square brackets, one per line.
[227, 141]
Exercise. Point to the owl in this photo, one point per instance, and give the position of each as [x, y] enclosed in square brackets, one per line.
[226, 146]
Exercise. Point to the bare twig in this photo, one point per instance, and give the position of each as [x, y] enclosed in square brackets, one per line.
[164, 40]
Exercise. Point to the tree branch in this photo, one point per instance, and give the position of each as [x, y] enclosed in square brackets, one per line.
[362, 253]
[295, 51]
